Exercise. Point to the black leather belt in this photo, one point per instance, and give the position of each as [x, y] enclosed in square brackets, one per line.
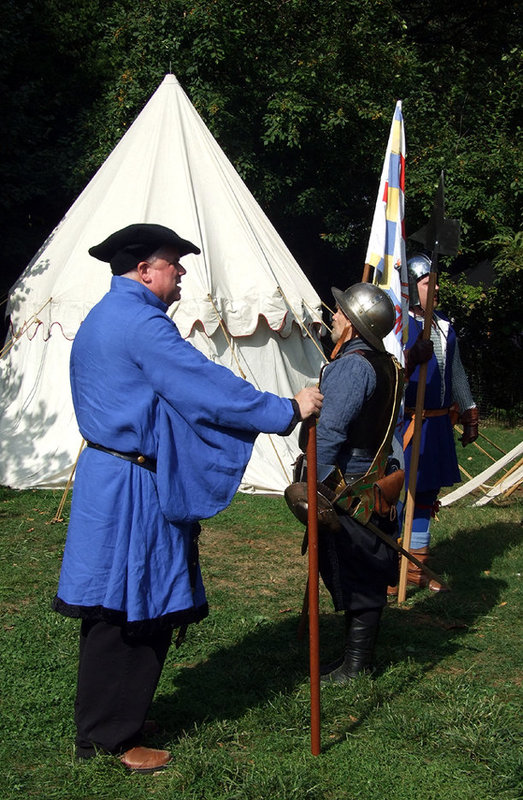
[135, 458]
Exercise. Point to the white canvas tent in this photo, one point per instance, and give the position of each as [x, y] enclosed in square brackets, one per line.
[245, 301]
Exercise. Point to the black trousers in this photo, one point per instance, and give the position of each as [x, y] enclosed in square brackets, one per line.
[117, 678]
[356, 565]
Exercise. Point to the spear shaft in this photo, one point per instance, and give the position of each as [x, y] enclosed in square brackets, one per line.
[314, 613]
[440, 235]
[416, 438]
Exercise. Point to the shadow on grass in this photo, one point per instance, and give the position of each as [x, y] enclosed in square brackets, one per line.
[270, 660]
[429, 624]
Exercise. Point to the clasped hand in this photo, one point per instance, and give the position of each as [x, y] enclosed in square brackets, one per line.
[309, 401]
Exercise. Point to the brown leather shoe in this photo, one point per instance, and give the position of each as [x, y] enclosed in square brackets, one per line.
[416, 576]
[434, 586]
[145, 759]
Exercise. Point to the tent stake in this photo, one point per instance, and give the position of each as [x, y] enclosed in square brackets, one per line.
[58, 516]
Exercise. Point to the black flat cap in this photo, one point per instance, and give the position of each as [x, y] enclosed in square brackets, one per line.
[128, 246]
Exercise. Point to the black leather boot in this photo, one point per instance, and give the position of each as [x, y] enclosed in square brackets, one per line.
[361, 633]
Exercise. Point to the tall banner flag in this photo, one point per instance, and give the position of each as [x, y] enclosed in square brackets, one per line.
[386, 250]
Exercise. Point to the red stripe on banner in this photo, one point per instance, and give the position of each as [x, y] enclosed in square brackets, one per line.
[386, 192]
[399, 320]
[402, 172]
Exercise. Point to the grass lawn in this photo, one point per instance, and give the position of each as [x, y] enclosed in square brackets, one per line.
[440, 719]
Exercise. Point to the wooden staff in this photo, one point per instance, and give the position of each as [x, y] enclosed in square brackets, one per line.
[366, 277]
[416, 439]
[314, 611]
[305, 605]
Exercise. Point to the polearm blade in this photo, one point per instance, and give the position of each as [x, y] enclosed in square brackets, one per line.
[439, 235]
[314, 612]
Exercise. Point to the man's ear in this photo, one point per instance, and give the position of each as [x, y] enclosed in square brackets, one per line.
[143, 271]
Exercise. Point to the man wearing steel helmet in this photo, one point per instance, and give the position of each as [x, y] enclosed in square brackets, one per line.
[360, 390]
[447, 395]
[169, 434]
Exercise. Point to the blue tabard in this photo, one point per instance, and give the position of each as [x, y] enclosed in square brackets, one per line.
[438, 464]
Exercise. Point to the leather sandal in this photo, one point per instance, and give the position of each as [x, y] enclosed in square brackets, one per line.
[145, 759]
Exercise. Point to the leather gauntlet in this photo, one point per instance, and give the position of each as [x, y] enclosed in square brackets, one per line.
[470, 420]
[421, 351]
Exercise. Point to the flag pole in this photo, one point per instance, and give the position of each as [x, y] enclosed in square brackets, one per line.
[314, 628]
[385, 260]
[439, 235]
[416, 441]
[366, 277]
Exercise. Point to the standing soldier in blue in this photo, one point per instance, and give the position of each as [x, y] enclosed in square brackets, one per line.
[361, 390]
[169, 434]
[447, 393]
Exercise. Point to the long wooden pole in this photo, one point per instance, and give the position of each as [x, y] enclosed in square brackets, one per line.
[416, 440]
[313, 582]
[314, 611]
[366, 277]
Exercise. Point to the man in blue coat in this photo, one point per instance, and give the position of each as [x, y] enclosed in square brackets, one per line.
[168, 434]
[447, 392]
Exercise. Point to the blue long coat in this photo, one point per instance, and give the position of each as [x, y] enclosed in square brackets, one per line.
[139, 387]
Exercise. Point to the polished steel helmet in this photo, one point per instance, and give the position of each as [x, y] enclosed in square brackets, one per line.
[417, 267]
[370, 310]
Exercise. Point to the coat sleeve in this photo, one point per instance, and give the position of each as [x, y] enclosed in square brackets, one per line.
[346, 384]
[461, 393]
[202, 391]
[207, 422]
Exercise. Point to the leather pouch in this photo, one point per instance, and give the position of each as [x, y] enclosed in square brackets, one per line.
[387, 492]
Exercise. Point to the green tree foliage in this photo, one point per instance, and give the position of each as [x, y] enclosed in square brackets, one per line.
[470, 93]
[46, 81]
[488, 322]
